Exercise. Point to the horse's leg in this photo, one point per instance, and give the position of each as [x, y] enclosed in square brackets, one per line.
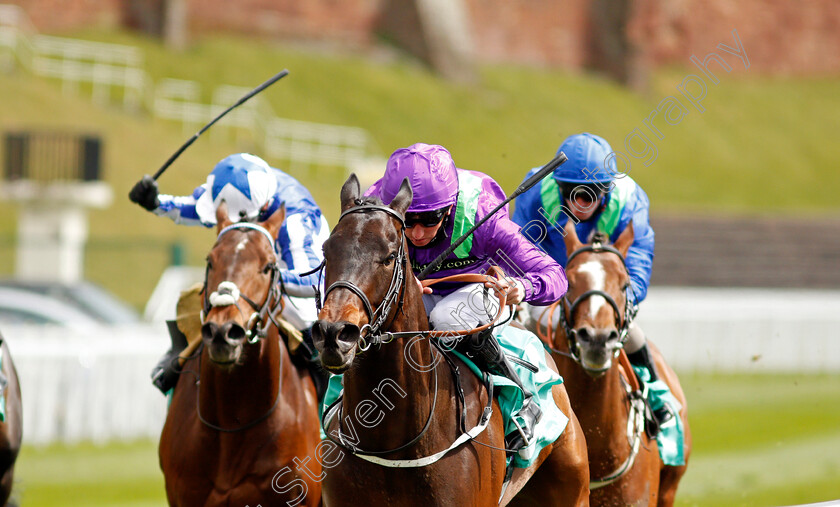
[563, 478]
[670, 476]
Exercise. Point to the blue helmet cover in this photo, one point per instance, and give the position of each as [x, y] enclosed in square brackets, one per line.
[587, 155]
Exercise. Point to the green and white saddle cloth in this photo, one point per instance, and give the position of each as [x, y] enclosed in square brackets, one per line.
[523, 344]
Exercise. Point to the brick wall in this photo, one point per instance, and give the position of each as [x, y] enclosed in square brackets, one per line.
[63, 15]
[779, 36]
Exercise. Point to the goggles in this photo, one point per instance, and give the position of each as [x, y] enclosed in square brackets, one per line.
[583, 191]
[426, 218]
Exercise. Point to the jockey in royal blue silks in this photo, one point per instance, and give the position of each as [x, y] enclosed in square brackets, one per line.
[589, 187]
[252, 190]
[446, 202]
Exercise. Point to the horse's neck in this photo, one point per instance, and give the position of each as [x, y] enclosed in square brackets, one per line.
[599, 403]
[248, 390]
[384, 377]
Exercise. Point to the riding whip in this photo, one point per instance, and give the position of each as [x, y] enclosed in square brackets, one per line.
[239, 102]
[530, 182]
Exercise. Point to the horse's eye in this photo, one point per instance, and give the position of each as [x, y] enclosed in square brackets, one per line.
[387, 260]
[267, 269]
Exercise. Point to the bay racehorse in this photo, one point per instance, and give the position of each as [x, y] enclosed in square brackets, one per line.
[623, 462]
[241, 411]
[401, 424]
[11, 428]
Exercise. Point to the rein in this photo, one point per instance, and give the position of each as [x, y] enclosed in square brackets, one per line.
[375, 336]
[635, 394]
[623, 320]
[247, 425]
[228, 294]
[370, 332]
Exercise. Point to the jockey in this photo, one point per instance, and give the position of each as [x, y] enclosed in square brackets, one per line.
[601, 200]
[252, 191]
[447, 202]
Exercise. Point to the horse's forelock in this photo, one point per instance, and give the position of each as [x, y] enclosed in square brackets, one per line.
[370, 200]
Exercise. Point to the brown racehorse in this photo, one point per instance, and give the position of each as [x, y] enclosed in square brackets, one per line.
[401, 401]
[241, 411]
[623, 462]
[11, 429]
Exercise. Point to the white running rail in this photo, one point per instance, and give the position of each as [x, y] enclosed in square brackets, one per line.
[112, 69]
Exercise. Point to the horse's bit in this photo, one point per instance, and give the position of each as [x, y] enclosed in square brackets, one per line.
[227, 293]
[622, 324]
[376, 318]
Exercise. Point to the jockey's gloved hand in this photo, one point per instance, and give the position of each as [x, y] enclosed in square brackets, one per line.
[145, 193]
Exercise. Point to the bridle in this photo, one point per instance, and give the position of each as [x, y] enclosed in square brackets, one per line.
[371, 332]
[375, 336]
[227, 293]
[622, 319]
[635, 416]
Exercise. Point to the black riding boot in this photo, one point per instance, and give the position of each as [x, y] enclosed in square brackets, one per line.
[165, 373]
[642, 358]
[489, 356]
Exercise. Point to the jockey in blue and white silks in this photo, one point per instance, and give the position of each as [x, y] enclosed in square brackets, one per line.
[252, 190]
[589, 190]
[248, 185]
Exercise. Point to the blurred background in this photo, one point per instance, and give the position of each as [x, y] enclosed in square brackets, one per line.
[727, 111]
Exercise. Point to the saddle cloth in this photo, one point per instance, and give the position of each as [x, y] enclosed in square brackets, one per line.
[671, 437]
[519, 343]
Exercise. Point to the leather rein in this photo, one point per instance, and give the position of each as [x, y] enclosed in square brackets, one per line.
[227, 294]
[372, 334]
[623, 319]
[635, 394]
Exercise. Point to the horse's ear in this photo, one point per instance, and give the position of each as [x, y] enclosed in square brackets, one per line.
[571, 238]
[625, 239]
[403, 198]
[350, 192]
[222, 218]
[274, 222]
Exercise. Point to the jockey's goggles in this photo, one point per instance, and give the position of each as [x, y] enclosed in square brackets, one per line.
[587, 192]
[425, 218]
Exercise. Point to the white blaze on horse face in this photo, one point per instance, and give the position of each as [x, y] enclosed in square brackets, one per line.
[241, 245]
[598, 277]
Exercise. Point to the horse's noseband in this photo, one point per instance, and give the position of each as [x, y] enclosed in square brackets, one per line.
[622, 324]
[227, 293]
[370, 332]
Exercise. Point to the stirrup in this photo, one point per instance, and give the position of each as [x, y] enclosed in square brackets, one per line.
[522, 439]
[655, 419]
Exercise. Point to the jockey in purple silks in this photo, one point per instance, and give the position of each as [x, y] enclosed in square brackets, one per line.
[447, 202]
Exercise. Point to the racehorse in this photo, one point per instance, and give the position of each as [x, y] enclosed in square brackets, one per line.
[11, 428]
[623, 462]
[401, 439]
[241, 411]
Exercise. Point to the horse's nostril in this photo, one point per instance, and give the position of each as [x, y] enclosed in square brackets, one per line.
[208, 330]
[584, 333]
[613, 336]
[236, 332]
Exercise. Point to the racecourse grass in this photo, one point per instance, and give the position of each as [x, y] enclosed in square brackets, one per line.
[759, 441]
[119, 474]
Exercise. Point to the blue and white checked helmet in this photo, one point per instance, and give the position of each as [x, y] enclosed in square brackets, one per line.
[244, 181]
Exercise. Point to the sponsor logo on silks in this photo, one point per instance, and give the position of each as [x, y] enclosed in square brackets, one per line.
[445, 265]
